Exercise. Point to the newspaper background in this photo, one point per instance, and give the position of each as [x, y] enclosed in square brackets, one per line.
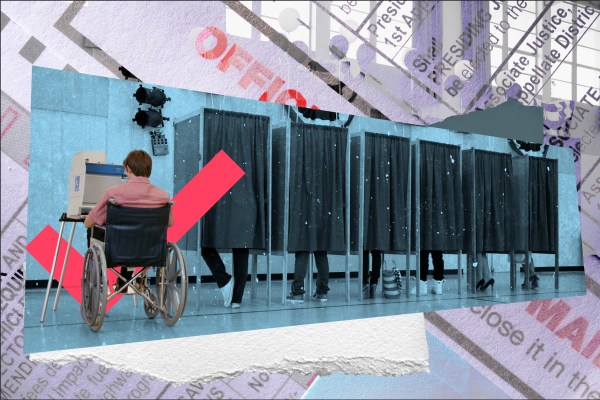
[97, 38]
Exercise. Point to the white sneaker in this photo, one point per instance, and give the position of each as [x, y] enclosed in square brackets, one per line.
[437, 287]
[422, 289]
[227, 291]
[235, 305]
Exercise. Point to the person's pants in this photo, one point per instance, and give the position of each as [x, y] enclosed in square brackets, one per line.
[376, 272]
[438, 265]
[240, 270]
[302, 266]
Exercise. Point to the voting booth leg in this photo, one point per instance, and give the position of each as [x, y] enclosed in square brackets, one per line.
[269, 278]
[556, 270]
[527, 275]
[348, 277]
[284, 270]
[254, 267]
[49, 287]
[459, 267]
[512, 271]
[64, 268]
[309, 276]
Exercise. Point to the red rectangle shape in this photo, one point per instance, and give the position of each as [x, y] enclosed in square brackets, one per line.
[43, 247]
[202, 192]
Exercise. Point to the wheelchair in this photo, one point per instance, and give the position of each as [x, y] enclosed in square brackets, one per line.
[135, 237]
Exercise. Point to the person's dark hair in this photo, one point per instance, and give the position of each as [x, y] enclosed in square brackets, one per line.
[139, 162]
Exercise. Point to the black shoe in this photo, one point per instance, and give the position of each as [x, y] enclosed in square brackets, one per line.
[372, 290]
[534, 281]
[365, 291]
[479, 285]
[322, 297]
[489, 283]
[295, 298]
[120, 285]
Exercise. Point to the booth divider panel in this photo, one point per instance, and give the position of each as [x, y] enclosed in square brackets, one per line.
[238, 219]
[521, 202]
[355, 158]
[543, 205]
[317, 188]
[187, 160]
[278, 189]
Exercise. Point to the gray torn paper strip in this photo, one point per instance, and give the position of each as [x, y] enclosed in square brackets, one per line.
[351, 347]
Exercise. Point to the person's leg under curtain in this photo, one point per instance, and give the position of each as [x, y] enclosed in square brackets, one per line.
[365, 257]
[438, 265]
[322, 272]
[376, 272]
[438, 272]
[424, 265]
[240, 273]
[215, 264]
[300, 267]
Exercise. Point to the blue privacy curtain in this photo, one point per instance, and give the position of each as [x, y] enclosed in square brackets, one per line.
[543, 205]
[317, 188]
[442, 212]
[386, 182]
[238, 219]
[491, 183]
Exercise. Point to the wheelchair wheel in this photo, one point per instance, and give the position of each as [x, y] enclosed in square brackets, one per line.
[150, 309]
[171, 282]
[94, 287]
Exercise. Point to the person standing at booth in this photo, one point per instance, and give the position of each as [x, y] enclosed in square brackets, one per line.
[438, 272]
[300, 268]
[533, 278]
[137, 192]
[370, 281]
[238, 221]
[317, 201]
[482, 271]
[232, 287]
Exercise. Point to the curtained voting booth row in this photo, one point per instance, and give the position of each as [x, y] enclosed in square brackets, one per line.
[310, 187]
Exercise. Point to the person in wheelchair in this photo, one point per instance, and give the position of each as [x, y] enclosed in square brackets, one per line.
[137, 192]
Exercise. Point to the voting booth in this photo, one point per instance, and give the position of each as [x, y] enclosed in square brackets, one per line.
[535, 200]
[438, 200]
[380, 196]
[489, 208]
[310, 194]
[89, 177]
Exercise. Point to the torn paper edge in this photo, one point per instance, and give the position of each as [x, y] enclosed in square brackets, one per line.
[385, 346]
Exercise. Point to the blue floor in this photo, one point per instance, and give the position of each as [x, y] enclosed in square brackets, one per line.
[205, 314]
